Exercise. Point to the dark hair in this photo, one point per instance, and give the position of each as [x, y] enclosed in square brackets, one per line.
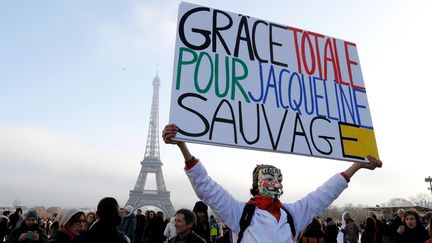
[160, 215]
[188, 215]
[370, 224]
[200, 207]
[313, 229]
[108, 211]
[413, 213]
[6, 213]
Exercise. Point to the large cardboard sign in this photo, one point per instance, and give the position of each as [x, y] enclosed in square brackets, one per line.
[245, 82]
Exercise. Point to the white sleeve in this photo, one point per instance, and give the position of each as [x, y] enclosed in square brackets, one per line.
[313, 204]
[226, 208]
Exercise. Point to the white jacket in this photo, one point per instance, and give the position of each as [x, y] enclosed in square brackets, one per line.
[264, 228]
[170, 231]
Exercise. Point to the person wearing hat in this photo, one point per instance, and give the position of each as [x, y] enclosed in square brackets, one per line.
[270, 216]
[29, 230]
[128, 224]
[71, 223]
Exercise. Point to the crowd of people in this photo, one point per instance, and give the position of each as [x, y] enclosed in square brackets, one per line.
[405, 227]
[110, 223]
[262, 219]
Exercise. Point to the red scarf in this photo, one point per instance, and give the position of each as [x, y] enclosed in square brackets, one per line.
[269, 204]
[67, 232]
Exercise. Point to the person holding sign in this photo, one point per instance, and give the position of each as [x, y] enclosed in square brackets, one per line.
[264, 218]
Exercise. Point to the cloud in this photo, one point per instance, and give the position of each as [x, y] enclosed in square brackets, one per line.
[144, 33]
[45, 167]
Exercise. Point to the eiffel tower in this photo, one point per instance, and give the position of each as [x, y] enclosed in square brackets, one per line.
[151, 163]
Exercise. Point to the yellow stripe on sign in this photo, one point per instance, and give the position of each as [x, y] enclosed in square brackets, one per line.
[358, 141]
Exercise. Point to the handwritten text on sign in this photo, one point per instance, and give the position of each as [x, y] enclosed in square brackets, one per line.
[245, 82]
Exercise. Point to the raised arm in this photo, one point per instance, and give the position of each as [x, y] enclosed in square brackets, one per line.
[373, 163]
[168, 133]
[223, 204]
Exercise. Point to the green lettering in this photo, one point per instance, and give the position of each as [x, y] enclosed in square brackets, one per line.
[236, 79]
[182, 62]
[227, 78]
[197, 68]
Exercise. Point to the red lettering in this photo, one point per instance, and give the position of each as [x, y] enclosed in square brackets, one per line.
[305, 38]
[340, 81]
[329, 57]
[295, 30]
[316, 35]
[349, 63]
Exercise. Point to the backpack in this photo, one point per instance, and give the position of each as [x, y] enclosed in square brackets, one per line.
[351, 232]
[247, 215]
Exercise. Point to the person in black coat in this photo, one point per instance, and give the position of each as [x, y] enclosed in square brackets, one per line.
[29, 231]
[371, 233]
[185, 221]
[412, 231]
[105, 229]
[202, 227]
[395, 222]
[140, 224]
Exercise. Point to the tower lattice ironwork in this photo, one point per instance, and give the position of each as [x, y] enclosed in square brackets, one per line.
[139, 196]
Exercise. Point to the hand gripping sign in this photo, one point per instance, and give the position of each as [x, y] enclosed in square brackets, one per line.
[244, 82]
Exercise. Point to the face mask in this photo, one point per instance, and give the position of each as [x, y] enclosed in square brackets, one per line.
[270, 182]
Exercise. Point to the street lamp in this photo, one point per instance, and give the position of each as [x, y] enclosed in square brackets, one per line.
[429, 179]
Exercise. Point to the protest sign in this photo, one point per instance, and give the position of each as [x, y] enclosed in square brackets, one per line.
[245, 82]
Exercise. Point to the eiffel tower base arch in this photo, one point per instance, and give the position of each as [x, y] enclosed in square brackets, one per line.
[138, 199]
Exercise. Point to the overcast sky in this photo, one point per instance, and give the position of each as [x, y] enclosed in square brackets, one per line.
[75, 98]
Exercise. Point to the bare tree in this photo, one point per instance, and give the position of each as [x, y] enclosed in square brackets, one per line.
[399, 202]
[422, 199]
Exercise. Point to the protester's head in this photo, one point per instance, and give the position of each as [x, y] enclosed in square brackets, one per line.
[314, 226]
[73, 219]
[139, 211]
[370, 224]
[108, 211]
[185, 221]
[267, 181]
[151, 215]
[160, 215]
[128, 209]
[411, 219]
[346, 216]
[18, 211]
[91, 217]
[400, 213]
[200, 209]
[31, 217]
[6, 213]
